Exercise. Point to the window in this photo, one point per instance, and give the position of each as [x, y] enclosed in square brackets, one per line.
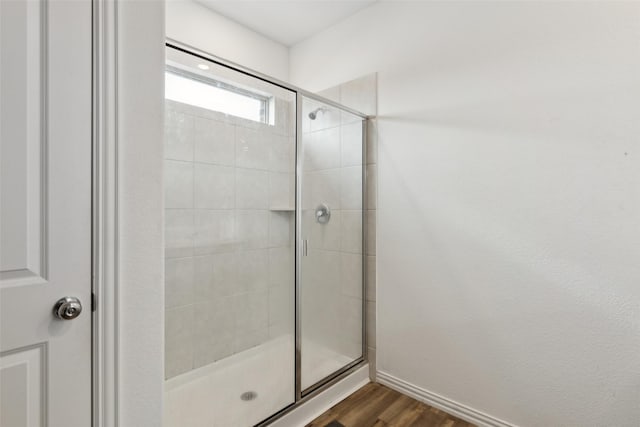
[204, 92]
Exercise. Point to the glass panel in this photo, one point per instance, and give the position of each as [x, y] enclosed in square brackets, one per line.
[229, 234]
[331, 293]
[211, 94]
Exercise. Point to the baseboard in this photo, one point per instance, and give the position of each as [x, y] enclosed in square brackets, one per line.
[450, 406]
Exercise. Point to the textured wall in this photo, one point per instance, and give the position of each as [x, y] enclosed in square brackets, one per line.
[140, 116]
[509, 200]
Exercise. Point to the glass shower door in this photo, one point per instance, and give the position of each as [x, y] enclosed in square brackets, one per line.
[229, 185]
[330, 265]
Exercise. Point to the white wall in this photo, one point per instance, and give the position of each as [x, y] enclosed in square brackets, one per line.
[194, 24]
[509, 200]
[140, 281]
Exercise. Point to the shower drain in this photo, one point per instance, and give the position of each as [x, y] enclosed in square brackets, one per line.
[248, 395]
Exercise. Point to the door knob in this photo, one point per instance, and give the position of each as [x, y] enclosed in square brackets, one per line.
[67, 308]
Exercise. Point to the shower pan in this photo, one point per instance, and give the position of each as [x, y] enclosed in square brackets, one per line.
[263, 243]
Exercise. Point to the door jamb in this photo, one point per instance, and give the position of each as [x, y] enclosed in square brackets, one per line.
[105, 315]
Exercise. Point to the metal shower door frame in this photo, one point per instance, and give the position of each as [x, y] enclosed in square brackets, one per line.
[301, 395]
[327, 381]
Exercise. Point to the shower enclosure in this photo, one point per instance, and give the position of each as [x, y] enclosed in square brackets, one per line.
[263, 243]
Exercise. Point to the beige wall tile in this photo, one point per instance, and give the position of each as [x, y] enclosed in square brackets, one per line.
[214, 142]
[178, 336]
[178, 184]
[178, 232]
[179, 282]
[179, 135]
[214, 186]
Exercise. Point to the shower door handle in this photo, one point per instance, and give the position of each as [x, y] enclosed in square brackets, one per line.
[305, 247]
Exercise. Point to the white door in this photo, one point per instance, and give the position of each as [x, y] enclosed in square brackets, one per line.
[45, 211]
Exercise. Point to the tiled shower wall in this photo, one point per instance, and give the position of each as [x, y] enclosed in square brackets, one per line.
[229, 192]
[362, 95]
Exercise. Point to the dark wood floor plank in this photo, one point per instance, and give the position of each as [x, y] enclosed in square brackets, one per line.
[353, 402]
[426, 417]
[401, 405]
[367, 414]
[375, 405]
[350, 410]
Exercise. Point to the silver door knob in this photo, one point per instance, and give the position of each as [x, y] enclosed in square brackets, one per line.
[67, 308]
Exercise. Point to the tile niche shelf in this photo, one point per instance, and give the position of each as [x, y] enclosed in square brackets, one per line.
[282, 208]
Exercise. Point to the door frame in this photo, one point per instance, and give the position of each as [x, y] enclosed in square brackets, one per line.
[104, 199]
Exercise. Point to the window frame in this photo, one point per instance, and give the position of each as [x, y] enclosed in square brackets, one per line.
[265, 100]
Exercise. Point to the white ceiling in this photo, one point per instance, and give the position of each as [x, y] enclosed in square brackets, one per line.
[286, 21]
